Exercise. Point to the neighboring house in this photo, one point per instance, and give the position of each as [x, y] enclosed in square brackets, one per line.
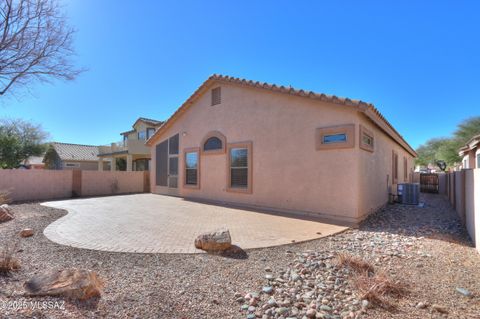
[278, 148]
[132, 149]
[470, 153]
[72, 156]
[34, 162]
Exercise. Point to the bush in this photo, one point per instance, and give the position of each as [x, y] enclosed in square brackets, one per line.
[8, 262]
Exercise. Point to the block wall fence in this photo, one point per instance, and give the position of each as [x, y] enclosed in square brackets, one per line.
[32, 185]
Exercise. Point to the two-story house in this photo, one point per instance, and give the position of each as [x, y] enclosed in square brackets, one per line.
[132, 150]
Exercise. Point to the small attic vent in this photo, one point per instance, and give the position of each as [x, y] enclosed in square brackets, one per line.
[216, 96]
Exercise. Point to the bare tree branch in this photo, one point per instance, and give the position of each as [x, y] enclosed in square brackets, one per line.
[36, 44]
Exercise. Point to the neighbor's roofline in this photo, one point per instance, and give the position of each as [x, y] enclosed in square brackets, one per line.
[367, 108]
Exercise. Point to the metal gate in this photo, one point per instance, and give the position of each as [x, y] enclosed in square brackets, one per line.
[428, 183]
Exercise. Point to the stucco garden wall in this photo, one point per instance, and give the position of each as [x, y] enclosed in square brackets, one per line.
[110, 183]
[25, 185]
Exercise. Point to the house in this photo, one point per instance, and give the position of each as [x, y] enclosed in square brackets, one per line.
[34, 162]
[132, 150]
[258, 145]
[470, 153]
[71, 156]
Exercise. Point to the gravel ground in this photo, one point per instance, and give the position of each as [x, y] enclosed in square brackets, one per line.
[426, 248]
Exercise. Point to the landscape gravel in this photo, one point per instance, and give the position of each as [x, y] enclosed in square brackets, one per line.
[425, 247]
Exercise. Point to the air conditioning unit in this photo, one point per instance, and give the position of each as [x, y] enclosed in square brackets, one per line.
[408, 193]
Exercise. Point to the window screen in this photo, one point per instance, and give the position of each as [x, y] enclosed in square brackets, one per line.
[239, 167]
[173, 145]
[213, 143]
[334, 138]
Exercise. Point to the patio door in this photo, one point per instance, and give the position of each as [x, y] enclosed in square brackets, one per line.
[167, 162]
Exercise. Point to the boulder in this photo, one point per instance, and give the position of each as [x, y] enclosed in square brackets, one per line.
[71, 283]
[27, 232]
[5, 213]
[218, 240]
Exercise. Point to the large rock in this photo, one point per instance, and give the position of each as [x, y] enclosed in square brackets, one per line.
[72, 283]
[218, 240]
[5, 213]
[27, 232]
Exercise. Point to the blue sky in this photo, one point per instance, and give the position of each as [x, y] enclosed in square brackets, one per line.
[417, 61]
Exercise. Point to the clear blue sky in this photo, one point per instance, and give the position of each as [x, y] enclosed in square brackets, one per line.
[417, 61]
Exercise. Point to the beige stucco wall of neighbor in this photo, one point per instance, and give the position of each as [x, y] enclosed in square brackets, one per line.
[36, 184]
[375, 178]
[470, 203]
[289, 174]
[109, 183]
[83, 165]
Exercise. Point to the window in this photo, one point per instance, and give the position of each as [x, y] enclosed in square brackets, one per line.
[405, 169]
[465, 164]
[240, 167]
[192, 158]
[125, 139]
[213, 143]
[141, 135]
[366, 139]
[478, 160]
[335, 137]
[150, 132]
[72, 165]
[394, 167]
[216, 96]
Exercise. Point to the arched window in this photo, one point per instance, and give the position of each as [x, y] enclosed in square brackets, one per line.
[213, 143]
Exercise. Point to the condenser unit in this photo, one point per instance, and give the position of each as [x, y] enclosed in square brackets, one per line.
[408, 193]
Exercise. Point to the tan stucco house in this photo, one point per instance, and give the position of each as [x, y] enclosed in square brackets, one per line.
[277, 148]
[132, 148]
[60, 156]
[470, 153]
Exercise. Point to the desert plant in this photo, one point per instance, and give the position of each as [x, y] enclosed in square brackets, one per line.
[356, 264]
[8, 262]
[4, 197]
[378, 288]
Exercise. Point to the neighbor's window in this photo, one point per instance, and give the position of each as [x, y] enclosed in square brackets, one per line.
[478, 160]
[150, 132]
[240, 157]
[213, 143]
[334, 138]
[142, 135]
[72, 165]
[216, 96]
[191, 168]
[394, 167]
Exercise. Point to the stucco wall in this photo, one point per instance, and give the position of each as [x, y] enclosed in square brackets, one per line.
[460, 193]
[288, 172]
[375, 181]
[109, 183]
[83, 165]
[36, 184]
[470, 203]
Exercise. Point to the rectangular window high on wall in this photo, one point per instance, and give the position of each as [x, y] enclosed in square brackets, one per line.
[240, 167]
[192, 174]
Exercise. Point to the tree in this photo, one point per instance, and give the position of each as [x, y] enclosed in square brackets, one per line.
[35, 43]
[446, 149]
[18, 141]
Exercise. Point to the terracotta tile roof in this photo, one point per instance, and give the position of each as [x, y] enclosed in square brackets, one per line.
[76, 152]
[150, 121]
[367, 108]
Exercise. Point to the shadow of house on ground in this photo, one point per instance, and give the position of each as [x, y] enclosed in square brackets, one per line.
[435, 220]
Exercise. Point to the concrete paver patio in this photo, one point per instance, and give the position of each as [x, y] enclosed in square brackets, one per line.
[149, 223]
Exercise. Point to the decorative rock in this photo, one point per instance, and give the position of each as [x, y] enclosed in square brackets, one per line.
[5, 213]
[365, 304]
[421, 305]
[440, 308]
[73, 283]
[325, 308]
[219, 240]
[464, 292]
[267, 289]
[27, 232]
[311, 313]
